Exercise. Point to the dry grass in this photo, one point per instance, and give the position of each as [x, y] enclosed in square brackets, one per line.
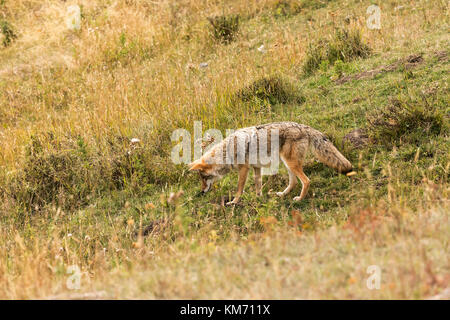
[133, 71]
[101, 97]
[279, 263]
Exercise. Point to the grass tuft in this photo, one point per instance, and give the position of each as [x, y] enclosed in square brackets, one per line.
[8, 33]
[345, 46]
[58, 175]
[224, 28]
[286, 8]
[272, 89]
[406, 120]
[69, 173]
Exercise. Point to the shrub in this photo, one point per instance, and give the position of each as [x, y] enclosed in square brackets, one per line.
[63, 175]
[69, 173]
[344, 46]
[272, 89]
[224, 28]
[285, 8]
[289, 8]
[8, 33]
[409, 121]
[314, 4]
[136, 169]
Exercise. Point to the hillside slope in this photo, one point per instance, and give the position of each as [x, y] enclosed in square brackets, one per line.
[77, 194]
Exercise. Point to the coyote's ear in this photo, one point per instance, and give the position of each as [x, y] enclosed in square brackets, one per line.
[197, 165]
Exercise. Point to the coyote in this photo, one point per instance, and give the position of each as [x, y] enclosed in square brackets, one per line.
[292, 139]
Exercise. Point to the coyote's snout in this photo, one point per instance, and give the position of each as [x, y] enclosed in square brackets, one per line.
[293, 141]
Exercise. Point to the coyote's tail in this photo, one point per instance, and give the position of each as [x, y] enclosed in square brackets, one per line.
[327, 153]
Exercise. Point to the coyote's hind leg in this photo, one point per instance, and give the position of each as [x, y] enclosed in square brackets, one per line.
[258, 180]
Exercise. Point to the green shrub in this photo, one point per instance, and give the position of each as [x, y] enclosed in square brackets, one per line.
[344, 46]
[136, 169]
[8, 33]
[289, 8]
[406, 120]
[224, 28]
[314, 4]
[63, 176]
[339, 68]
[69, 173]
[286, 8]
[272, 89]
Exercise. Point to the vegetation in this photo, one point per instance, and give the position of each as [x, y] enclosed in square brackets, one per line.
[225, 28]
[408, 120]
[78, 189]
[345, 46]
[274, 90]
[7, 32]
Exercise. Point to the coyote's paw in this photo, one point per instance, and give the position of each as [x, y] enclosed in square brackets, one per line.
[280, 194]
[297, 198]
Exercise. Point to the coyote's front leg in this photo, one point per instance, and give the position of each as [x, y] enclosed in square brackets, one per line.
[243, 172]
[298, 170]
[258, 181]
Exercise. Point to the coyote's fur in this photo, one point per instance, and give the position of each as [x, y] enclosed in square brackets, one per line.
[293, 140]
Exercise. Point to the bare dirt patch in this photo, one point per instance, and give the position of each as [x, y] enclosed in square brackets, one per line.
[441, 55]
[358, 138]
[408, 62]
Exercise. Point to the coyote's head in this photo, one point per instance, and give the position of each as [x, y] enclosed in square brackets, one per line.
[209, 173]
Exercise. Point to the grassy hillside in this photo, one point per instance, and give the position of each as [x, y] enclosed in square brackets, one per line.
[76, 192]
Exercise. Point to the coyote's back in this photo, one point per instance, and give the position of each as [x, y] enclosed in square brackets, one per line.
[294, 136]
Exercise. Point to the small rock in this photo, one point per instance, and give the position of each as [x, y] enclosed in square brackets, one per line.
[261, 49]
[442, 55]
[203, 65]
